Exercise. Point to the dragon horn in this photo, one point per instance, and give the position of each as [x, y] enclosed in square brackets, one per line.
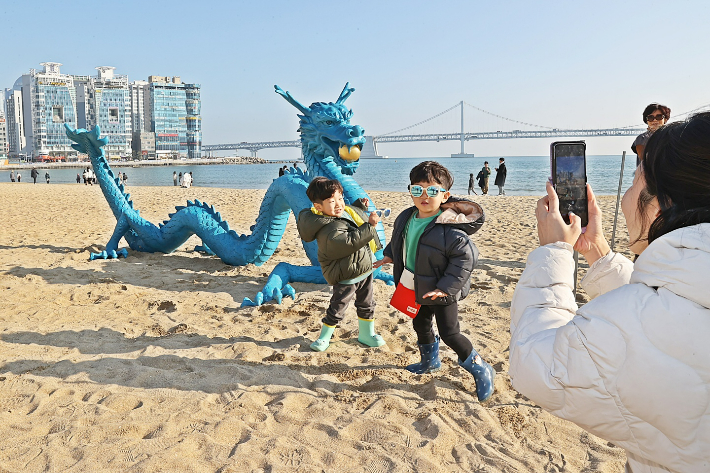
[347, 90]
[289, 98]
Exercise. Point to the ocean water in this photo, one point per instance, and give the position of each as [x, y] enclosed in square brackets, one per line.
[526, 174]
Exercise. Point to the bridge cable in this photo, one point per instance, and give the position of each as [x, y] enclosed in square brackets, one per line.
[421, 122]
[509, 119]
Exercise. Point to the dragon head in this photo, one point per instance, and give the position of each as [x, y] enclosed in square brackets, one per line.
[326, 130]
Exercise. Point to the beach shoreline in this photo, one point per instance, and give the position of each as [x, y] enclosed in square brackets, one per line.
[150, 364]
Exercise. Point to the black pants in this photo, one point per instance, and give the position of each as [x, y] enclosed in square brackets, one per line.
[343, 294]
[447, 322]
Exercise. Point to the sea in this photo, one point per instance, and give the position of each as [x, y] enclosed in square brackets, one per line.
[526, 174]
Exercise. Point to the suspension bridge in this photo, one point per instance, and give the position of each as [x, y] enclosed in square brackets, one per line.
[370, 148]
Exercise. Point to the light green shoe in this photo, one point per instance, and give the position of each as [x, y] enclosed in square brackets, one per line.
[323, 341]
[367, 335]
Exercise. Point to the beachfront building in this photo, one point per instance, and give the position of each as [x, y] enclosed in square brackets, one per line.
[17, 145]
[48, 102]
[3, 137]
[105, 100]
[174, 115]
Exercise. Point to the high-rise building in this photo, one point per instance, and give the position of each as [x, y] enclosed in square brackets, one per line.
[49, 101]
[105, 100]
[174, 114]
[3, 137]
[15, 120]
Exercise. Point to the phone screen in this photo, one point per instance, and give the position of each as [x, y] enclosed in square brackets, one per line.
[569, 176]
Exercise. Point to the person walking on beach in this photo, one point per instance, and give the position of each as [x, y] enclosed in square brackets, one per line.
[501, 173]
[78, 178]
[347, 241]
[482, 177]
[12, 176]
[46, 176]
[471, 182]
[631, 365]
[175, 178]
[180, 179]
[34, 174]
[430, 241]
[655, 116]
[19, 176]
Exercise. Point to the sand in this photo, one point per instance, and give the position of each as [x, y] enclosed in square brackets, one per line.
[149, 364]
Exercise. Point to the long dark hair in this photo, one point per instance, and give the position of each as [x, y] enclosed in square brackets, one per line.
[677, 171]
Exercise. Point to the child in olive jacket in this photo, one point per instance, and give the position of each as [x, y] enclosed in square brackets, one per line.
[435, 234]
[347, 240]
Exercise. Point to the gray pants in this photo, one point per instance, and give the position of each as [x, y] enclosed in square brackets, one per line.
[500, 190]
[343, 294]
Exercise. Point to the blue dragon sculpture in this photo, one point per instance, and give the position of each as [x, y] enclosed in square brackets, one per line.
[331, 148]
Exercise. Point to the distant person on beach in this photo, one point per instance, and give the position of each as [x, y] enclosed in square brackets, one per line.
[501, 173]
[175, 178]
[46, 176]
[180, 179]
[655, 116]
[78, 178]
[187, 180]
[482, 177]
[19, 177]
[12, 176]
[295, 165]
[347, 241]
[431, 250]
[631, 365]
[281, 171]
[471, 182]
[125, 178]
[34, 175]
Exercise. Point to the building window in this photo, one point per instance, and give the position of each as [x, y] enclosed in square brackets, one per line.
[113, 115]
[58, 114]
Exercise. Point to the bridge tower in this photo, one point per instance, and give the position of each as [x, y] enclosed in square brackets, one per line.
[462, 154]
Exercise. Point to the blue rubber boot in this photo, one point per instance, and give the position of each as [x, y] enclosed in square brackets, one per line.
[323, 341]
[367, 335]
[483, 374]
[430, 359]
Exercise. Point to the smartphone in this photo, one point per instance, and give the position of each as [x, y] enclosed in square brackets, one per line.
[568, 163]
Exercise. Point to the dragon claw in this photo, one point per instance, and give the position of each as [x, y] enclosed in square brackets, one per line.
[112, 254]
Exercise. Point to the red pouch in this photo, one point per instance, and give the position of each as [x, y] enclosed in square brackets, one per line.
[403, 298]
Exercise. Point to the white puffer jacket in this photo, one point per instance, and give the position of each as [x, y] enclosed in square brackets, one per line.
[632, 366]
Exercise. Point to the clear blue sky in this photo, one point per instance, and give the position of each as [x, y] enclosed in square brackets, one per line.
[556, 63]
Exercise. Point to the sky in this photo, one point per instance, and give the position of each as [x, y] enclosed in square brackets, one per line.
[559, 64]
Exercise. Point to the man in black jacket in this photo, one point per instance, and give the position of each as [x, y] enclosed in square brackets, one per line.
[501, 173]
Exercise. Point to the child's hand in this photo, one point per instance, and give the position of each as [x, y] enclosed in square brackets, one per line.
[385, 260]
[374, 219]
[365, 201]
[434, 294]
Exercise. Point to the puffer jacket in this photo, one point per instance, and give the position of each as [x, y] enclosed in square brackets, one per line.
[343, 247]
[631, 366]
[445, 254]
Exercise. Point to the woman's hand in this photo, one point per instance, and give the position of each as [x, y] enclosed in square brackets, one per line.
[592, 244]
[385, 260]
[551, 228]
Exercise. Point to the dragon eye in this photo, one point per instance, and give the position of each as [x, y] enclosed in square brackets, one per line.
[329, 122]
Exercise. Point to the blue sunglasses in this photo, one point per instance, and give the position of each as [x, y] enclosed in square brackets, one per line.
[431, 191]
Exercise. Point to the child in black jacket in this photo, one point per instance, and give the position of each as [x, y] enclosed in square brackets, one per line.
[434, 233]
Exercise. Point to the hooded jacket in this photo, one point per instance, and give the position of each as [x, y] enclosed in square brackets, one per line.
[343, 247]
[445, 254]
[631, 366]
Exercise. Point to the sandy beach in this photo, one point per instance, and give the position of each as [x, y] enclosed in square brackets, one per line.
[149, 364]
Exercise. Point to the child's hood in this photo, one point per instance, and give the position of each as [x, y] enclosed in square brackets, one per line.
[309, 223]
[463, 214]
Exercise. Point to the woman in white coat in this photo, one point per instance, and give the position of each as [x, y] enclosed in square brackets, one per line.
[631, 366]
